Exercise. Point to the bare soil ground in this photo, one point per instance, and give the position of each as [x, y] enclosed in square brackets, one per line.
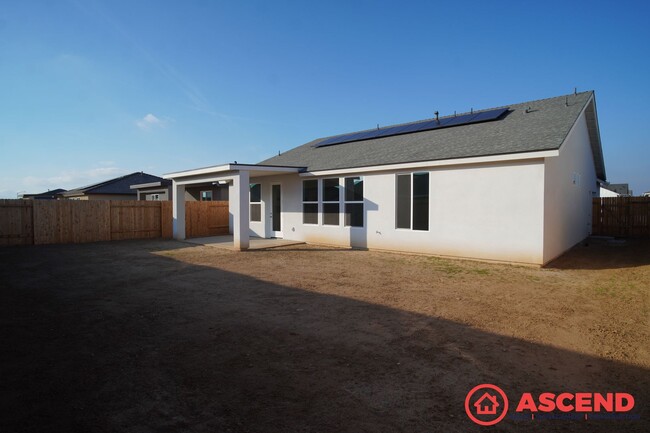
[143, 336]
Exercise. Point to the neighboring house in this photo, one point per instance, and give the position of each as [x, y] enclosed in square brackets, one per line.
[604, 191]
[622, 189]
[47, 195]
[154, 191]
[646, 194]
[118, 188]
[213, 192]
[510, 184]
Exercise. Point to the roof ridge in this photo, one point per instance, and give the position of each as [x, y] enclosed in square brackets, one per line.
[548, 99]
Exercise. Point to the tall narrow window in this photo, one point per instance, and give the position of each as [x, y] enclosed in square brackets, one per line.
[310, 201]
[256, 202]
[403, 201]
[420, 201]
[354, 201]
[331, 202]
[412, 201]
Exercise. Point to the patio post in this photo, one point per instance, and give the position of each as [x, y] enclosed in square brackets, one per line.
[178, 211]
[239, 205]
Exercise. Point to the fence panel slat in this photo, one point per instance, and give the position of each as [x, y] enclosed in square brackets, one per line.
[166, 220]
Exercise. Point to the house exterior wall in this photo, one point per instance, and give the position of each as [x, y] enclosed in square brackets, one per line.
[570, 183]
[164, 192]
[484, 211]
[219, 193]
[604, 192]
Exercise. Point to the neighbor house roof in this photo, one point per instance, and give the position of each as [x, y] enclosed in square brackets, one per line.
[47, 195]
[526, 127]
[119, 185]
[619, 188]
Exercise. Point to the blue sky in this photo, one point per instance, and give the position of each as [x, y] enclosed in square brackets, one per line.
[93, 89]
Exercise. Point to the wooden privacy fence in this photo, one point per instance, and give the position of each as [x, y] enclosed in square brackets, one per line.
[16, 222]
[621, 216]
[25, 222]
[206, 218]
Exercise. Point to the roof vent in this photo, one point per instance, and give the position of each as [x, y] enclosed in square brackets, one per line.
[437, 116]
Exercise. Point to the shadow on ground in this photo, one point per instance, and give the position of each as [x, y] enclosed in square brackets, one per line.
[597, 253]
[118, 338]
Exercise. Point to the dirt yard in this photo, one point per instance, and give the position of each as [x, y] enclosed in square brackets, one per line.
[144, 336]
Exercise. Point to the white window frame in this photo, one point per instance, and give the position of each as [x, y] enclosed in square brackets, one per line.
[324, 202]
[361, 202]
[254, 203]
[317, 202]
[411, 176]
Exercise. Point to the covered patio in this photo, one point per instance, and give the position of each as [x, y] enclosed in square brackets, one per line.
[237, 177]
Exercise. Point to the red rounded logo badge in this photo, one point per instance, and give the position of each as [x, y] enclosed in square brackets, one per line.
[486, 404]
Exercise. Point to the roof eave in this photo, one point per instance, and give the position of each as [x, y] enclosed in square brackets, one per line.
[434, 163]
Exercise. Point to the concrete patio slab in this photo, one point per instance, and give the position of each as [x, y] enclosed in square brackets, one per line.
[226, 242]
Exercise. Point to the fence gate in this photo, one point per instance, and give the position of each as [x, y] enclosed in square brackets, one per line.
[206, 218]
[621, 216]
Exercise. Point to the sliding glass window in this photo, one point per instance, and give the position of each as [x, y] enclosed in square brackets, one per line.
[412, 201]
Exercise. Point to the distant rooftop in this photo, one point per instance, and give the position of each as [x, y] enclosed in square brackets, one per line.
[119, 185]
[619, 188]
[47, 195]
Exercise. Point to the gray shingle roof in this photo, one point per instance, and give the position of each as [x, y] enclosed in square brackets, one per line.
[119, 185]
[47, 195]
[545, 127]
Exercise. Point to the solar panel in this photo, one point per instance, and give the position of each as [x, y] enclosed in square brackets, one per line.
[486, 115]
[427, 125]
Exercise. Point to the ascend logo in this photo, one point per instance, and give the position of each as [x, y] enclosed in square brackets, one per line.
[487, 405]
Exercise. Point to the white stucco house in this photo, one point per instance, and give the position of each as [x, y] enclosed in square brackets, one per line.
[513, 183]
[604, 192]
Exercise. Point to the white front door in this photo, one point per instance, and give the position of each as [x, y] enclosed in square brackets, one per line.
[276, 210]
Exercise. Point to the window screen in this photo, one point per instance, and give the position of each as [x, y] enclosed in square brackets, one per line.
[331, 214]
[420, 201]
[353, 202]
[310, 190]
[310, 201]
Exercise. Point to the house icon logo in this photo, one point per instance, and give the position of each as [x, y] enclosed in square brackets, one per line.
[486, 404]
